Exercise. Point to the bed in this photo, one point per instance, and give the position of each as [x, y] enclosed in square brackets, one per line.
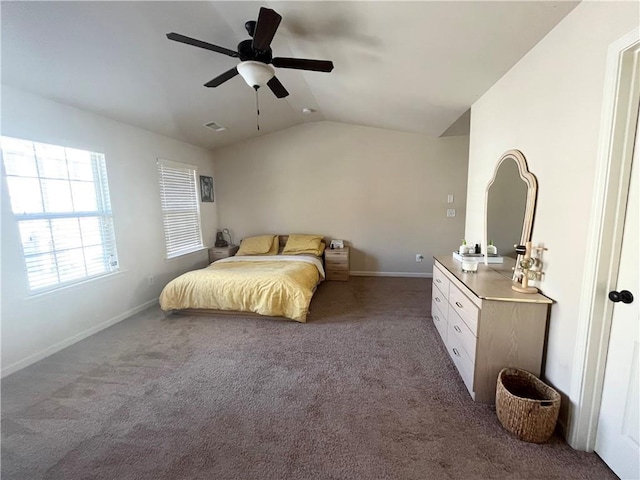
[279, 282]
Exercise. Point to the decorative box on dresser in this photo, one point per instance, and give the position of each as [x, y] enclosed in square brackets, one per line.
[485, 325]
[217, 253]
[336, 264]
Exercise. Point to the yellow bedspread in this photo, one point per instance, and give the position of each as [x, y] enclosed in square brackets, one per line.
[279, 285]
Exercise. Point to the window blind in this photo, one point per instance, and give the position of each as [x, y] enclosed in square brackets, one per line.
[60, 199]
[180, 208]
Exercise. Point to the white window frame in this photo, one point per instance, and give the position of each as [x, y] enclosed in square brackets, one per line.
[180, 204]
[57, 236]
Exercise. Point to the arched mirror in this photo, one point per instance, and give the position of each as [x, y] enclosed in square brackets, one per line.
[510, 204]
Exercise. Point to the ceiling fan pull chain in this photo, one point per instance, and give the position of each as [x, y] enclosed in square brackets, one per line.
[257, 109]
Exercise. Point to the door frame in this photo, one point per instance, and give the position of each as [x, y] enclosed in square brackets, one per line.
[611, 188]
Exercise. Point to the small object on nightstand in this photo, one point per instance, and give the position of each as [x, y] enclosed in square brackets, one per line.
[220, 241]
[336, 264]
[218, 253]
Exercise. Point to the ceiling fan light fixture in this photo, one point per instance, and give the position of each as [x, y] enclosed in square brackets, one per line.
[255, 73]
[256, 55]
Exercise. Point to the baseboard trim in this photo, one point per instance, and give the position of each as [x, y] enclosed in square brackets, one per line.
[392, 274]
[31, 359]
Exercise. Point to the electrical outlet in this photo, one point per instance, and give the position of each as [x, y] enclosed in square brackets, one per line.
[419, 257]
[150, 280]
[451, 212]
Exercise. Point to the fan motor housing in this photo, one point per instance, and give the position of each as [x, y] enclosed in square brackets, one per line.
[246, 52]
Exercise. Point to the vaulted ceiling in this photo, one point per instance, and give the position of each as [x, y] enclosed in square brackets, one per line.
[409, 66]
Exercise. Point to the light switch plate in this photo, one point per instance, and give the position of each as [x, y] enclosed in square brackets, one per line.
[451, 212]
[449, 198]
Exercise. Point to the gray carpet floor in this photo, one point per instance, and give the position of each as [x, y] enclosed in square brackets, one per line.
[364, 390]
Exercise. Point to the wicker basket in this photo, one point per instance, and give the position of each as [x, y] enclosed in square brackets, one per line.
[526, 406]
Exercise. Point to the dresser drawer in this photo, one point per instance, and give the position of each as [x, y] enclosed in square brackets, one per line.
[440, 321]
[440, 280]
[464, 307]
[439, 299]
[339, 275]
[466, 339]
[438, 303]
[336, 264]
[462, 362]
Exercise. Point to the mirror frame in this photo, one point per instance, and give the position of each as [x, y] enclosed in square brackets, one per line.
[532, 194]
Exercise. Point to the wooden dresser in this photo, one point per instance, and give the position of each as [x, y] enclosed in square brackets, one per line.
[336, 263]
[485, 325]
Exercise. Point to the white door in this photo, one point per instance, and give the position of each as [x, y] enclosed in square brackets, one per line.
[618, 437]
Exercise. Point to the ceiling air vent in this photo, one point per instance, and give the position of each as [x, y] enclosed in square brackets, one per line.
[215, 127]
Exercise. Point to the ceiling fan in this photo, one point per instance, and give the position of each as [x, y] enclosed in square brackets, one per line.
[256, 55]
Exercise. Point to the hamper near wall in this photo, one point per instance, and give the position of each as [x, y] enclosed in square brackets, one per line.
[526, 406]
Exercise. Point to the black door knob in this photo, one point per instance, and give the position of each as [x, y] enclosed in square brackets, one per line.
[624, 296]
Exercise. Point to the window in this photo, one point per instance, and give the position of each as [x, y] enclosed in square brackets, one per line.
[60, 198]
[180, 208]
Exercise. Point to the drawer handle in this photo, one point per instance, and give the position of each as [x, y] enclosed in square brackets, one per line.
[456, 352]
[435, 317]
[459, 304]
[438, 280]
[457, 328]
[438, 299]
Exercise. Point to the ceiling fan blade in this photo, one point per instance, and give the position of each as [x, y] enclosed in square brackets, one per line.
[220, 79]
[198, 43]
[303, 64]
[277, 88]
[268, 21]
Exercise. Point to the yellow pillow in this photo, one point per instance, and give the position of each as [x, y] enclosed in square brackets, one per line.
[316, 253]
[274, 246]
[260, 245]
[303, 244]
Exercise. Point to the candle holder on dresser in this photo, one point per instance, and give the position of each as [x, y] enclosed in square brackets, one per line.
[528, 268]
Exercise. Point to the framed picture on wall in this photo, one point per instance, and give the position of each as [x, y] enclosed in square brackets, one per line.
[206, 188]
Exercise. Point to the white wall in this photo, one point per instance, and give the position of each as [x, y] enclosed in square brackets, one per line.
[549, 107]
[33, 327]
[382, 191]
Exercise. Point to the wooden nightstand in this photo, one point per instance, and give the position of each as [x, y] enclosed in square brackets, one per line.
[336, 264]
[217, 253]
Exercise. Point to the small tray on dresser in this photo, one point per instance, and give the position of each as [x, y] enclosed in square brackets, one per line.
[477, 257]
